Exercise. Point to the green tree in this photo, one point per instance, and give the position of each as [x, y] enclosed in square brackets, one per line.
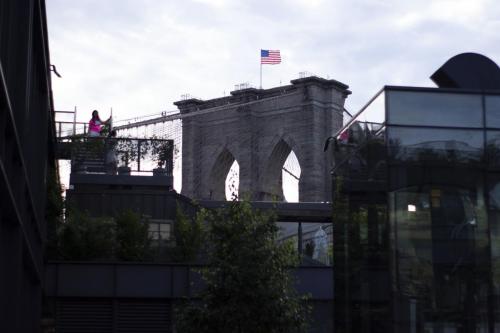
[84, 238]
[125, 237]
[188, 236]
[249, 287]
[132, 237]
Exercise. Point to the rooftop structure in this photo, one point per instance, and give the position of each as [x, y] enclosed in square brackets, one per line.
[417, 234]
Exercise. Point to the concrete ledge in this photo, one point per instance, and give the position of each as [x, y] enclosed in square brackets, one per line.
[101, 179]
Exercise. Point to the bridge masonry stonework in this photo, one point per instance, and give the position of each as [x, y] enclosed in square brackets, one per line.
[259, 128]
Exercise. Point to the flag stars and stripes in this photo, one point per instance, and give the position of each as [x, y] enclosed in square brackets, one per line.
[270, 57]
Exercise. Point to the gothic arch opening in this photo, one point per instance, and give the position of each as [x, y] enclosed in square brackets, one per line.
[232, 183]
[290, 174]
[220, 174]
[282, 174]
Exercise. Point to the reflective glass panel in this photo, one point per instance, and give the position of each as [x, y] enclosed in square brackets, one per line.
[494, 224]
[440, 248]
[492, 106]
[493, 148]
[427, 144]
[317, 248]
[313, 240]
[434, 109]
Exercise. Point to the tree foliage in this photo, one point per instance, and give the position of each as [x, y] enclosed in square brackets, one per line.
[188, 236]
[132, 237]
[249, 287]
[84, 238]
[125, 237]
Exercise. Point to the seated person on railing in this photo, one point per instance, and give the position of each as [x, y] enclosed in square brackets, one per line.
[95, 124]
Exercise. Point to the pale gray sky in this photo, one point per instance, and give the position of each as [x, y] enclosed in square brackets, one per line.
[139, 56]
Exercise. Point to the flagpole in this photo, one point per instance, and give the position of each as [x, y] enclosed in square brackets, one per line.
[261, 75]
[260, 59]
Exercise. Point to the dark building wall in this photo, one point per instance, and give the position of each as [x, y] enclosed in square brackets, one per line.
[97, 296]
[141, 297]
[103, 195]
[25, 158]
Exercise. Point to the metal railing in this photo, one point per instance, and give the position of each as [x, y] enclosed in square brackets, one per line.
[68, 126]
[355, 118]
[111, 155]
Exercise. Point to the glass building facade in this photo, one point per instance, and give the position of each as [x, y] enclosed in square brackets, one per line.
[417, 213]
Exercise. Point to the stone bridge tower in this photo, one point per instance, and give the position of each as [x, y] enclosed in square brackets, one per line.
[259, 128]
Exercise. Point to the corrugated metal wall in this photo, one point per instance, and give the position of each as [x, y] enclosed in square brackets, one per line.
[106, 315]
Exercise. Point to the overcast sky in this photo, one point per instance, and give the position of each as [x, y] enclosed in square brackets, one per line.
[140, 56]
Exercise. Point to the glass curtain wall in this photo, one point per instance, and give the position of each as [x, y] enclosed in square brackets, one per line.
[360, 247]
[492, 116]
[440, 241]
[417, 214]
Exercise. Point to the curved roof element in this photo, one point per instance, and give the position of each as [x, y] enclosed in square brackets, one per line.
[468, 71]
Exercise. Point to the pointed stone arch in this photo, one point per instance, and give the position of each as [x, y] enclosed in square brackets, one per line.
[260, 127]
[290, 141]
[271, 186]
[218, 174]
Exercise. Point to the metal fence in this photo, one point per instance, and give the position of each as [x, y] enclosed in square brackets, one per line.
[111, 155]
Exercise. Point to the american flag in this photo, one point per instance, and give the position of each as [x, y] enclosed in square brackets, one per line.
[270, 57]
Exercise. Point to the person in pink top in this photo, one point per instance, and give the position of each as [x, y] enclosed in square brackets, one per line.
[95, 124]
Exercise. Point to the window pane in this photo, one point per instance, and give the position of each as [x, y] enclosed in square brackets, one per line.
[493, 148]
[440, 145]
[440, 252]
[317, 244]
[492, 104]
[153, 231]
[434, 109]
[494, 227]
[165, 227]
[163, 231]
[410, 216]
[312, 240]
